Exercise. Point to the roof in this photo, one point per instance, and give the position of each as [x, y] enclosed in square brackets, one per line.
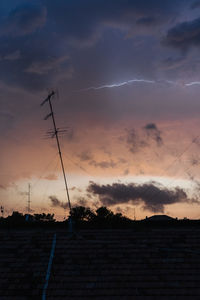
[101, 264]
[160, 218]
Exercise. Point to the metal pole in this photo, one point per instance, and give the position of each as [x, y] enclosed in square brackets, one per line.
[60, 153]
[56, 131]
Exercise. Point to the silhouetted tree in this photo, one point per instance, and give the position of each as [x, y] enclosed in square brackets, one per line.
[17, 217]
[104, 213]
[81, 213]
[44, 217]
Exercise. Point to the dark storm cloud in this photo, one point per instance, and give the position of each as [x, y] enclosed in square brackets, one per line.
[184, 35]
[153, 197]
[148, 21]
[43, 67]
[37, 40]
[153, 132]
[11, 56]
[29, 57]
[196, 4]
[31, 65]
[23, 20]
[173, 62]
[57, 203]
[82, 19]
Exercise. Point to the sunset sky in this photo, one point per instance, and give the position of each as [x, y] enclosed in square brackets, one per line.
[127, 81]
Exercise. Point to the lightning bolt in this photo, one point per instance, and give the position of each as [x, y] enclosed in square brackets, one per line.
[107, 86]
[132, 81]
[192, 83]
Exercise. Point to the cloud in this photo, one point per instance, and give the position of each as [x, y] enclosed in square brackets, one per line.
[35, 39]
[85, 155]
[196, 183]
[154, 133]
[195, 4]
[31, 58]
[74, 188]
[173, 62]
[84, 21]
[23, 20]
[184, 35]
[135, 143]
[86, 202]
[103, 164]
[51, 177]
[126, 172]
[154, 197]
[122, 160]
[45, 66]
[146, 21]
[57, 203]
[37, 67]
[81, 201]
[196, 141]
[12, 56]
[70, 134]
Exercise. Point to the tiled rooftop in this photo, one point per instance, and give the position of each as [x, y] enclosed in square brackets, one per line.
[101, 264]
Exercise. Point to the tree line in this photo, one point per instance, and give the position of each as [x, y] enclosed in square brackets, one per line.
[81, 217]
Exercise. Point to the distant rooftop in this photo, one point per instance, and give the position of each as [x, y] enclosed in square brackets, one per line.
[160, 218]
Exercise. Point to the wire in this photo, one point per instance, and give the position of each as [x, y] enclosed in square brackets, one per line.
[45, 170]
[47, 184]
[76, 164]
[176, 159]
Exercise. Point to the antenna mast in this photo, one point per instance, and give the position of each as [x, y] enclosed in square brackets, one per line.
[29, 199]
[55, 133]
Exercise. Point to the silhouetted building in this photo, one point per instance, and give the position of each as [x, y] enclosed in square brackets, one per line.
[160, 218]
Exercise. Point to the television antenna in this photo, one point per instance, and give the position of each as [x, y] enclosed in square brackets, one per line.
[55, 133]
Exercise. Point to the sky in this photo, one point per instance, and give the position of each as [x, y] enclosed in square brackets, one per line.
[127, 81]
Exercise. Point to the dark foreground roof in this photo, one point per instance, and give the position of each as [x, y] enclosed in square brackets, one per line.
[103, 264]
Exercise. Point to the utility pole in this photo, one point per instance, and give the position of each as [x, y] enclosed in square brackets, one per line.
[55, 133]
